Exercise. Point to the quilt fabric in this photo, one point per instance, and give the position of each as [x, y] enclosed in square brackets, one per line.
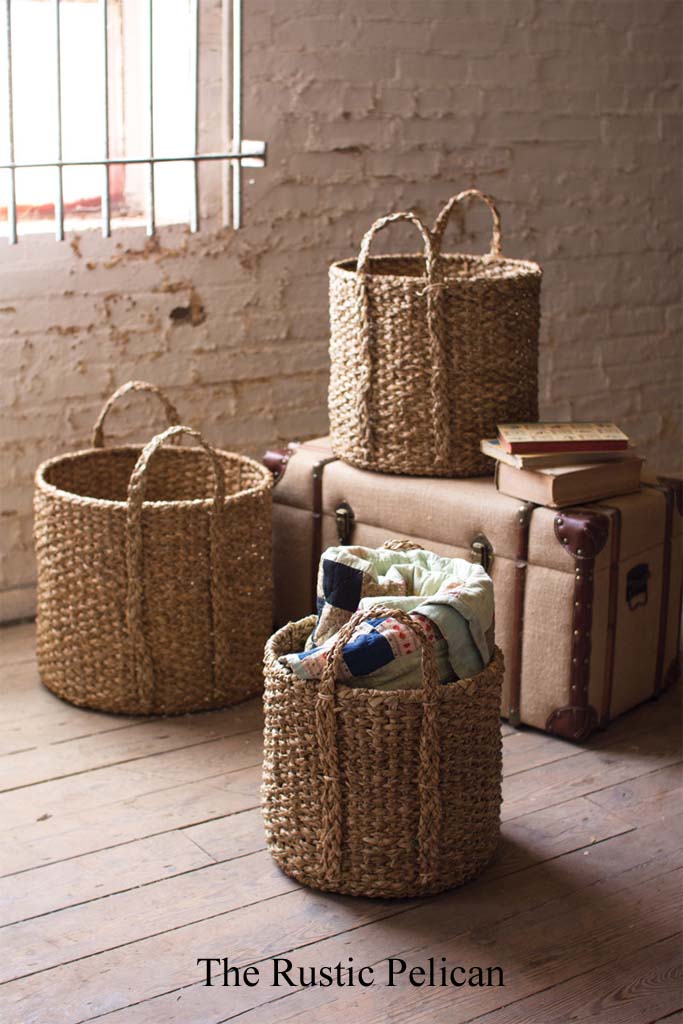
[451, 598]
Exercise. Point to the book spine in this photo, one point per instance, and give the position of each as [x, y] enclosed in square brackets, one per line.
[543, 447]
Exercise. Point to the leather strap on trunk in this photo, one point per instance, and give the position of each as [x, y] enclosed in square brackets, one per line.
[612, 611]
[665, 488]
[514, 657]
[674, 670]
[583, 533]
[317, 531]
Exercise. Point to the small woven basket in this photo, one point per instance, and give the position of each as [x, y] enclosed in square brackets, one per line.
[429, 352]
[380, 793]
[154, 573]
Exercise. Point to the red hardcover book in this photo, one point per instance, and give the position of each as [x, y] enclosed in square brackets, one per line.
[521, 438]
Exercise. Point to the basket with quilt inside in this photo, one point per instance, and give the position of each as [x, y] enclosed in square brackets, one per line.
[380, 793]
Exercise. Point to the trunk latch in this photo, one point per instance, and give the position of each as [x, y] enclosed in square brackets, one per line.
[345, 519]
[482, 551]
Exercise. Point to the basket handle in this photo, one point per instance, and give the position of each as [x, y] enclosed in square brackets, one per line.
[144, 668]
[133, 385]
[429, 757]
[437, 354]
[443, 218]
[401, 545]
[391, 218]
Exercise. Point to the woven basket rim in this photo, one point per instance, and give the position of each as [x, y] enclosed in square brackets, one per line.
[84, 499]
[449, 691]
[347, 267]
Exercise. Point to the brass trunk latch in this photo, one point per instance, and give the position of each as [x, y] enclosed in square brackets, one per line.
[345, 519]
[481, 550]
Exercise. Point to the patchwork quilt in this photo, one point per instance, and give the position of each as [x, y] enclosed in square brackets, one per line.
[451, 598]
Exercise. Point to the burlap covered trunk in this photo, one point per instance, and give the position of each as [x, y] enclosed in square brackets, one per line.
[587, 600]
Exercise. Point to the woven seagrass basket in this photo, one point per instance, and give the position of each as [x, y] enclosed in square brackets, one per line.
[380, 793]
[429, 352]
[154, 573]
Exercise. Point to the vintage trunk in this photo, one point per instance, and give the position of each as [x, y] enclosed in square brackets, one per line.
[588, 599]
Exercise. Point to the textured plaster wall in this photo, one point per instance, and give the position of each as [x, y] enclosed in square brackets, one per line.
[568, 112]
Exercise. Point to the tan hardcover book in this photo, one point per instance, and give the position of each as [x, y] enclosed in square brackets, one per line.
[494, 449]
[560, 486]
[519, 438]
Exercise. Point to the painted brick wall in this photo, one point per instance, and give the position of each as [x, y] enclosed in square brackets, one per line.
[568, 112]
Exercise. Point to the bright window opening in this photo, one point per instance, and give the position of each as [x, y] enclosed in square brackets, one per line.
[135, 96]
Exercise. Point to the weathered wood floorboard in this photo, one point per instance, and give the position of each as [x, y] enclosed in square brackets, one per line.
[130, 847]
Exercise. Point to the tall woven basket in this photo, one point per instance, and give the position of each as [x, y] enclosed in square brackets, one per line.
[154, 573]
[380, 793]
[429, 352]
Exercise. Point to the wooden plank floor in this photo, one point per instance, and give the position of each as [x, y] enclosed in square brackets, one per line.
[132, 847]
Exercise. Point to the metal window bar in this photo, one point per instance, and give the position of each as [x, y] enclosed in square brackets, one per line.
[12, 206]
[194, 77]
[59, 195]
[241, 153]
[151, 217]
[106, 198]
[236, 112]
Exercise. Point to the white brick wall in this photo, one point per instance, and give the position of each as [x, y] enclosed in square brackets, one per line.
[567, 110]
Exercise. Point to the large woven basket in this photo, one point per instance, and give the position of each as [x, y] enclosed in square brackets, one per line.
[429, 352]
[154, 573]
[380, 793]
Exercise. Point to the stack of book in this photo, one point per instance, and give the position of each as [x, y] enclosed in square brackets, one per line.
[560, 464]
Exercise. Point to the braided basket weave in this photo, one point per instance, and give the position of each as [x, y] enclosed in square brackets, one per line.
[428, 353]
[154, 574]
[380, 793]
